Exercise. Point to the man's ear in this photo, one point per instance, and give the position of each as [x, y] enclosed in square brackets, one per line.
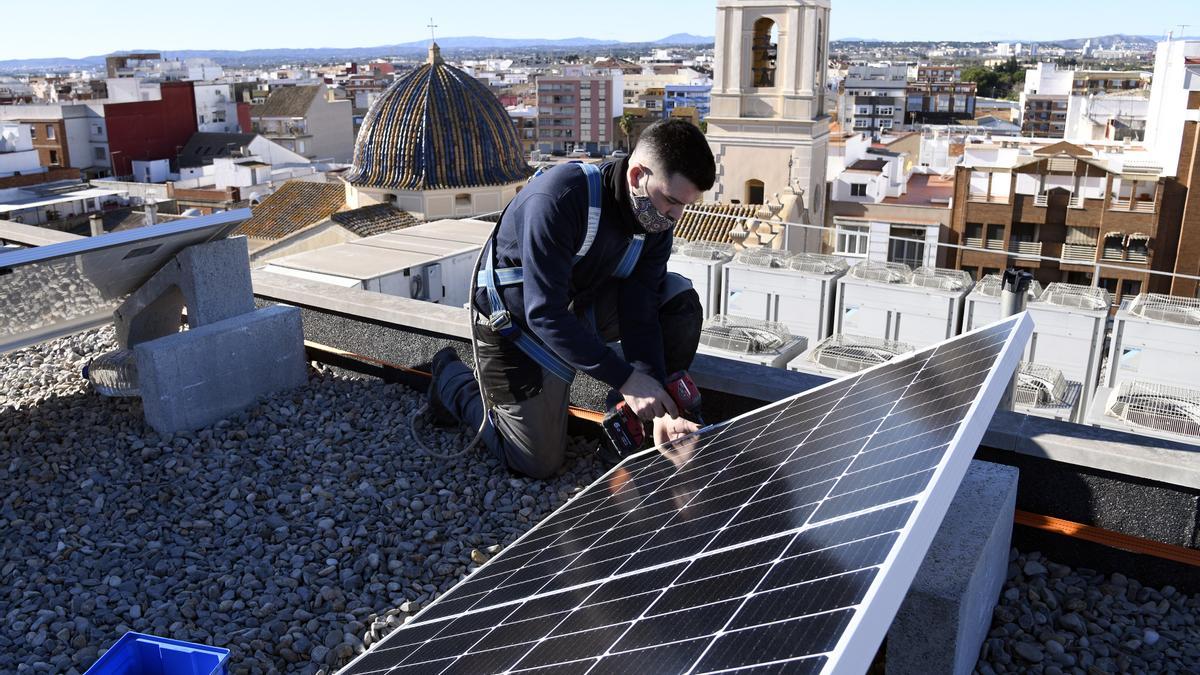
[637, 176]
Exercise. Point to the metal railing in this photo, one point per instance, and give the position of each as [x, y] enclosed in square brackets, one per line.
[1041, 200]
[1081, 253]
[1026, 249]
[1138, 206]
[986, 198]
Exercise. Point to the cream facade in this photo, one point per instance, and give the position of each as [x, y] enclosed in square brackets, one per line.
[768, 129]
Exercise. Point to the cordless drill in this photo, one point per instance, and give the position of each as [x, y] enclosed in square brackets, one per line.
[624, 429]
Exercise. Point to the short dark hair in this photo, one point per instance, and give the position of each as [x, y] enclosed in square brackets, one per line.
[679, 147]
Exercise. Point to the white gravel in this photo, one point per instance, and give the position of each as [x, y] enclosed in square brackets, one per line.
[294, 534]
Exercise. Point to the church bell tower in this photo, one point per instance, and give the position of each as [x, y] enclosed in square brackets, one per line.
[768, 127]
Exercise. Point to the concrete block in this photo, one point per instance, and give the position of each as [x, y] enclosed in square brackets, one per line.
[945, 617]
[212, 280]
[196, 377]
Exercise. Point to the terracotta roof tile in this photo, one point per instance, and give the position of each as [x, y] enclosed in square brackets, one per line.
[288, 101]
[294, 206]
[712, 222]
[374, 219]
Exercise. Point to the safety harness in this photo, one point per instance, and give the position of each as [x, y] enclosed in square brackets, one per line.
[493, 278]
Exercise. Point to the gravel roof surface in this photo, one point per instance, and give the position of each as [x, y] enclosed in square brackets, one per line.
[294, 534]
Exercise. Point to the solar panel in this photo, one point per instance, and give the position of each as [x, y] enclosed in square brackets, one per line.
[780, 541]
[59, 289]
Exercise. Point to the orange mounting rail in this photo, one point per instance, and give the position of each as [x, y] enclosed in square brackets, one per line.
[1117, 540]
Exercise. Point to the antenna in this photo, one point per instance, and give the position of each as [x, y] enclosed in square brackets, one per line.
[1183, 29]
[431, 26]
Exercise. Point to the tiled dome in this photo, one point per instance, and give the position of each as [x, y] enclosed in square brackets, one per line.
[437, 128]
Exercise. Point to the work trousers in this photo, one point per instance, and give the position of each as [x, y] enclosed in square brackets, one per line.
[527, 425]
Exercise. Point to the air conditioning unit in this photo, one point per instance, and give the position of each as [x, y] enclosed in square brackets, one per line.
[890, 302]
[750, 340]
[1165, 411]
[793, 289]
[1155, 339]
[1043, 391]
[840, 355]
[983, 302]
[1069, 323]
[701, 262]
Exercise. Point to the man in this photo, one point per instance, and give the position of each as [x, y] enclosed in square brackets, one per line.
[553, 291]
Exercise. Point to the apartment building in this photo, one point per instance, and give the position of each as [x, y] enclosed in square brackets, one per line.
[576, 110]
[1100, 210]
[874, 97]
[307, 121]
[1050, 94]
[698, 96]
[938, 96]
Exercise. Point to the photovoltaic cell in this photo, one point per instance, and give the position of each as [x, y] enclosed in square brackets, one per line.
[781, 541]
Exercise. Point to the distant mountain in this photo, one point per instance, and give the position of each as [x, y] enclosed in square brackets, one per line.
[686, 39]
[235, 57]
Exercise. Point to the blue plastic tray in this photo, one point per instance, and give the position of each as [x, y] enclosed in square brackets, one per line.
[139, 654]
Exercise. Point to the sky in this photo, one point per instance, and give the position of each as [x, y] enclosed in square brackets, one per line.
[85, 28]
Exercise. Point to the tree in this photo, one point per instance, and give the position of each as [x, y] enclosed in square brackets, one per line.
[626, 126]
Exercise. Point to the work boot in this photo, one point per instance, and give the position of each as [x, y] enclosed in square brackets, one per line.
[438, 411]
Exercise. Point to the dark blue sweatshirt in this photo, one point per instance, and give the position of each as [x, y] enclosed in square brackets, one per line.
[541, 231]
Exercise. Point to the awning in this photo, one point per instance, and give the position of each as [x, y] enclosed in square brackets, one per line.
[1139, 236]
[1114, 234]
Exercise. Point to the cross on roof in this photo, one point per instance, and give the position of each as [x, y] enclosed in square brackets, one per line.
[431, 26]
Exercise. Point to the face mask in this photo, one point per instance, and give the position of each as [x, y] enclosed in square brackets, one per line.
[651, 219]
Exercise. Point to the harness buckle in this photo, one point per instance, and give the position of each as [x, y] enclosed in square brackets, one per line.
[501, 321]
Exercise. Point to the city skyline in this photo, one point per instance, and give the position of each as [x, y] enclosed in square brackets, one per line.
[375, 23]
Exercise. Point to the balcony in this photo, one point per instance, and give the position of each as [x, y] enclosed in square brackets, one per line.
[1135, 206]
[1079, 253]
[1030, 250]
[1043, 200]
[1112, 254]
[987, 199]
[974, 242]
[994, 244]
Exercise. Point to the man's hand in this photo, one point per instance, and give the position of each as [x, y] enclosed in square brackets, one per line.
[669, 428]
[646, 397]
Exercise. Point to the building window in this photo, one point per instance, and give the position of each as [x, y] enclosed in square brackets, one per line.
[852, 239]
[1131, 287]
[53, 157]
[974, 235]
[462, 199]
[858, 189]
[49, 132]
[763, 51]
[754, 191]
[907, 246]
[973, 271]
[98, 154]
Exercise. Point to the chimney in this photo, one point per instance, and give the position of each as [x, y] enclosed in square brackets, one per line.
[97, 225]
[151, 212]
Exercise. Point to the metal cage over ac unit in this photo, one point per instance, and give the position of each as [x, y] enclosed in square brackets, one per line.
[942, 279]
[852, 353]
[744, 335]
[1157, 406]
[990, 285]
[1169, 308]
[1040, 386]
[1075, 295]
[888, 273]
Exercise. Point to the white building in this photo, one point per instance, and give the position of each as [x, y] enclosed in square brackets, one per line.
[1114, 117]
[875, 97]
[216, 110]
[17, 156]
[1176, 78]
[306, 120]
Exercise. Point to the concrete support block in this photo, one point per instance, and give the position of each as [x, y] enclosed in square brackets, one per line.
[196, 377]
[212, 280]
[946, 615]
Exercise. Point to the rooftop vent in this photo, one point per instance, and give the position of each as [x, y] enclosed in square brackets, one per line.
[1156, 406]
[1169, 308]
[743, 335]
[763, 257]
[1040, 386]
[887, 273]
[818, 263]
[989, 285]
[852, 353]
[704, 250]
[1075, 295]
[945, 280]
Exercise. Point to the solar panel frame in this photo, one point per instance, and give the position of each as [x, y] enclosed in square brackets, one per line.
[869, 617]
[108, 266]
